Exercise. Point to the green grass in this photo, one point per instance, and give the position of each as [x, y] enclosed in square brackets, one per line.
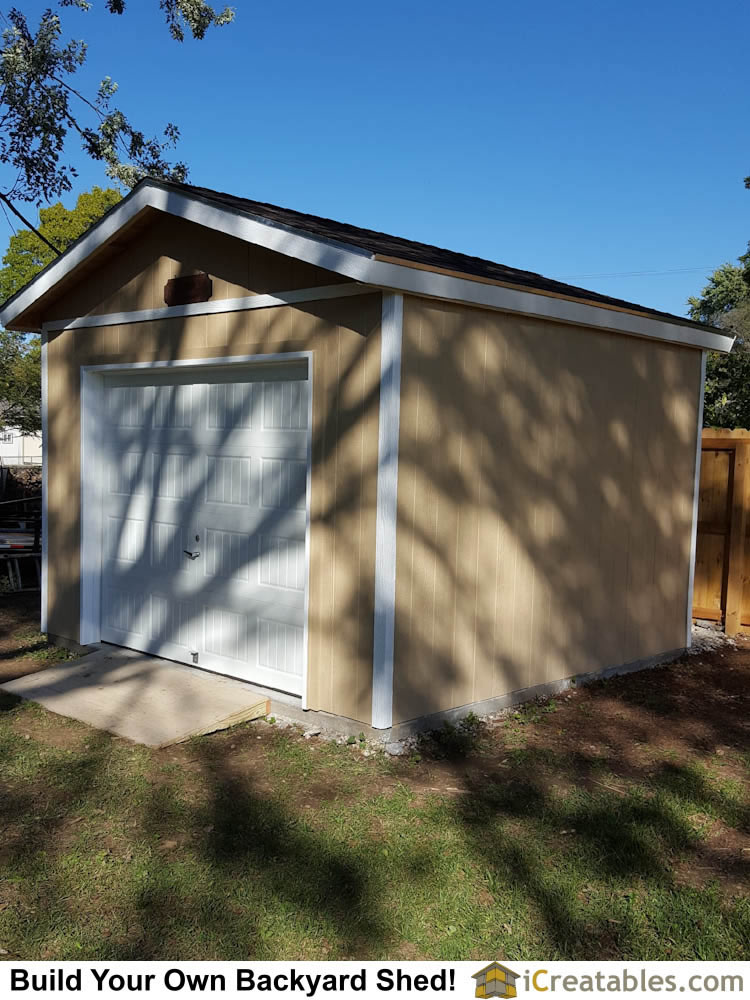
[279, 848]
[34, 645]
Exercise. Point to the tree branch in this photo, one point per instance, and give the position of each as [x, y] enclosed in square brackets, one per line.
[28, 224]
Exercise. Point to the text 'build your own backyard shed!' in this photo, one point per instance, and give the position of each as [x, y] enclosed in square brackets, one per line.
[383, 478]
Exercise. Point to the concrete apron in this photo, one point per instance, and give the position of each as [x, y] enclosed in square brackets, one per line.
[145, 699]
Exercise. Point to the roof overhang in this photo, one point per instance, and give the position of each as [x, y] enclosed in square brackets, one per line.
[351, 262]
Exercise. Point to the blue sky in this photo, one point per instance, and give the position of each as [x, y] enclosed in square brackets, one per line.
[573, 139]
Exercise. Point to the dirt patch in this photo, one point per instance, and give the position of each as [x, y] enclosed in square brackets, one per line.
[18, 612]
[23, 650]
[723, 857]
[52, 730]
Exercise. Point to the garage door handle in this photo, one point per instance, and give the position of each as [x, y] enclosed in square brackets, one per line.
[191, 555]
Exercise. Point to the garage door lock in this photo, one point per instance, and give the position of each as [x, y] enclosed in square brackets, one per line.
[194, 655]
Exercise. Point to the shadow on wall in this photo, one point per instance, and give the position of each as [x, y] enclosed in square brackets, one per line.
[345, 341]
[545, 494]
[545, 503]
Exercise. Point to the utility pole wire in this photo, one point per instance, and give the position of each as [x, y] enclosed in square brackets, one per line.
[28, 224]
[637, 274]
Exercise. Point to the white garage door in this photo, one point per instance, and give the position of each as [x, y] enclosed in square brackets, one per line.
[204, 519]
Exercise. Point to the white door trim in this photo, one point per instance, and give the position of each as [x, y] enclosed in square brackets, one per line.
[92, 420]
[44, 596]
[386, 517]
[696, 497]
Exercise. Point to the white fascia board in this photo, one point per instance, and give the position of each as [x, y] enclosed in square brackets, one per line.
[360, 266]
[441, 286]
[364, 268]
[56, 271]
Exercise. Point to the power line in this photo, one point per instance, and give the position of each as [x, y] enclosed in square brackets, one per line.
[636, 274]
[7, 219]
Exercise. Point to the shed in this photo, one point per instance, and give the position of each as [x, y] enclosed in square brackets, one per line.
[384, 479]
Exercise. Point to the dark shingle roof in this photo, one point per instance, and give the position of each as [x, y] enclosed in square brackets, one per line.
[372, 242]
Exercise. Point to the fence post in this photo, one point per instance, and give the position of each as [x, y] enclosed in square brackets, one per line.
[737, 530]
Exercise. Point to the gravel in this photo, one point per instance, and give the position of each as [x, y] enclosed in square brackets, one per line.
[707, 638]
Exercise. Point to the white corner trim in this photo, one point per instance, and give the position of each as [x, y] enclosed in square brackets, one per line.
[386, 517]
[308, 508]
[44, 582]
[357, 264]
[696, 498]
[92, 420]
[213, 306]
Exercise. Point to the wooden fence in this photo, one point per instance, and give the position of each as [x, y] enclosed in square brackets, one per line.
[722, 564]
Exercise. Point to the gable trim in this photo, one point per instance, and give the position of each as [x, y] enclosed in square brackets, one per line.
[213, 307]
[356, 264]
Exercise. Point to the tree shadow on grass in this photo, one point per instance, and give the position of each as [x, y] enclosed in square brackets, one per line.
[585, 838]
[241, 865]
[625, 798]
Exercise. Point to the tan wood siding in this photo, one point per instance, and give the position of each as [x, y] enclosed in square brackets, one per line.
[545, 503]
[344, 335]
[135, 277]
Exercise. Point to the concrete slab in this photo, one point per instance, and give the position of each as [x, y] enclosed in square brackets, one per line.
[143, 698]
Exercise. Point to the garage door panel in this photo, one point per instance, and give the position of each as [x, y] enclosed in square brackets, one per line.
[229, 480]
[230, 635]
[281, 563]
[263, 647]
[174, 474]
[125, 539]
[284, 406]
[168, 544]
[233, 405]
[125, 614]
[287, 523]
[283, 483]
[127, 473]
[220, 471]
[174, 620]
[150, 508]
[173, 406]
[245, 442]
[129, 406]
[153, 622]
[228, 554]
[280, 645]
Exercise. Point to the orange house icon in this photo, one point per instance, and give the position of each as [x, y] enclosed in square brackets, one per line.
[495, 980]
